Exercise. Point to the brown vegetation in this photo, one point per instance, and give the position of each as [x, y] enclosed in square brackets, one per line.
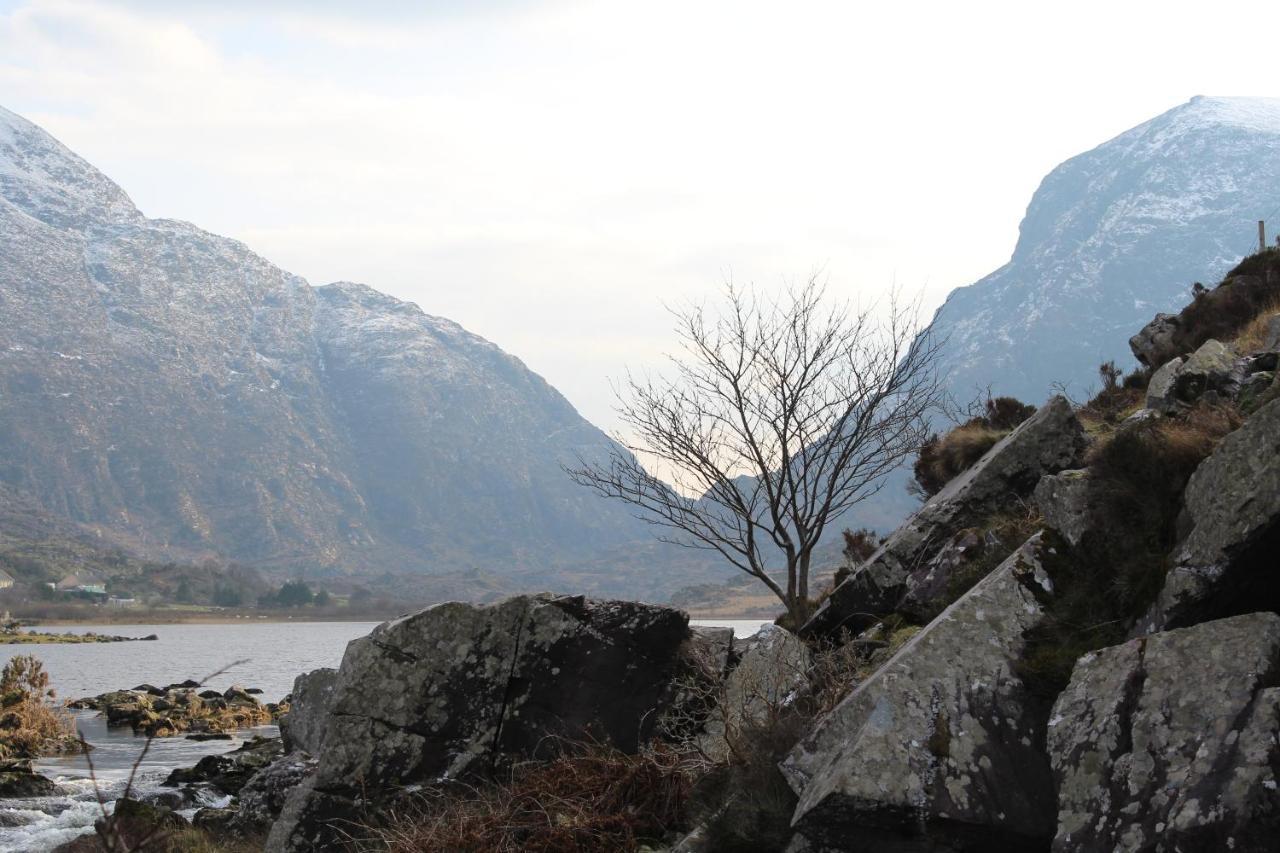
[593, 799]
[944, 457]
[30, 726]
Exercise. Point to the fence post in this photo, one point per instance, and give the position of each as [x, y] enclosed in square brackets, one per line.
[1262, 236]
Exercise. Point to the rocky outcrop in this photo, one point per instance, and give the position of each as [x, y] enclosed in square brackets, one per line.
[1154, 345]
[1051, 440]
[774, 666]
[304, 726]
[18, 779]
[181, 708]
[459, 690]
[262, 798]
[230, 771]
[1063, 499]
[1226, 565]
[940, 749]
[1170, 742]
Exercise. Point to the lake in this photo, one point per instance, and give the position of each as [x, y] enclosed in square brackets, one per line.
[268, 655]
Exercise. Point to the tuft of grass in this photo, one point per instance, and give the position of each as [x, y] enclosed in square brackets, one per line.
[594, 799]
[1253, 335]
[944, 457]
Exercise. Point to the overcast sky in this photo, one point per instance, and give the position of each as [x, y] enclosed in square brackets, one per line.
[549, 173]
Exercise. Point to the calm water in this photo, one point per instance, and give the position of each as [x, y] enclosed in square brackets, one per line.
[274, 654]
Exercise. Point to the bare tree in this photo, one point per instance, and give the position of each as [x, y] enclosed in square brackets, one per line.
[778, 417]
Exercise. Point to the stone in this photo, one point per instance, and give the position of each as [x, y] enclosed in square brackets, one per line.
[229, 771]
[930, 588]
[1063, 499]
[1049, 441]
[714, 646]
[305, 724]
[1256, 391]
[1154, 345]
[1227, 563]
[943, 744]
[262, 798]
[1213, 367]
[1160, 388]
[1169, 742]
[18, 779]
[458, 690]
[772, 670]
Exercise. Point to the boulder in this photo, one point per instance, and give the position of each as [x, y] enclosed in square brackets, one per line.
[460, 690]
[229, 771]
[18, 779]
[941, 748]
[1049, 441]
[1170, 742]
[1212, 367]
[1227, 564]
[304, 726]
[1160, 388]
[262, 798]
[1063, 499]
[1154, 345]
[772, 669]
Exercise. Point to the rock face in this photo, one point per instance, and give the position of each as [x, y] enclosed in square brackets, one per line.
[774, 666]
[263, 796]
[1161, 390]
[1154, 345]
[458, 690]
[167, 385]
[1051, 440]
[304, 726]
[1170, 742]
[941, 749]
[1227, 564]
[1063, 500]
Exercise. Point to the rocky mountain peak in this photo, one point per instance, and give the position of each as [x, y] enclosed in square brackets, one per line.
[44, 179]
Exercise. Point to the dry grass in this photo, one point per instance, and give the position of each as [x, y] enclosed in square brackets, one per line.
[1253, 336]
[945, 457]
[30, 725]
[595, 800]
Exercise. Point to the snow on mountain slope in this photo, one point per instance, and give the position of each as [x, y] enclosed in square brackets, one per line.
[172, 386]
[1111, 237]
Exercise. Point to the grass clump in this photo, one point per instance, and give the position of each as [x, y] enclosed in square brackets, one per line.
[1106, 582]
[593, 799]
[944, 457]
[30, 725]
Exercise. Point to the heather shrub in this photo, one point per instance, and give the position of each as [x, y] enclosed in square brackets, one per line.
[30, 726]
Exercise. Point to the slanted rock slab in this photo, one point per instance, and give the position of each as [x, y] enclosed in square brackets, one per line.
[1170, 742]
[1063, 499]
[1049, 441]
[942, 748]
[304, 726]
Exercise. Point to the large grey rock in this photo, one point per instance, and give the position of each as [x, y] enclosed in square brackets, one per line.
[1272, 341]
[304, 726]
[1063, 499]
[771, 671]
[459, 691]
[1162, 385]
[1154, 345]
[1051, 440]
[933, 585]
[1212, 367]
[940, 749]
[1228, 563]
[1169, 742]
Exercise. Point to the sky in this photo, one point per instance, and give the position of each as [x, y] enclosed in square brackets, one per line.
[555, 175]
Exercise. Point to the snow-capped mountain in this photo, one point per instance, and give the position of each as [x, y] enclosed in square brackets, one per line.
[1111, 237]
[174, 390]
